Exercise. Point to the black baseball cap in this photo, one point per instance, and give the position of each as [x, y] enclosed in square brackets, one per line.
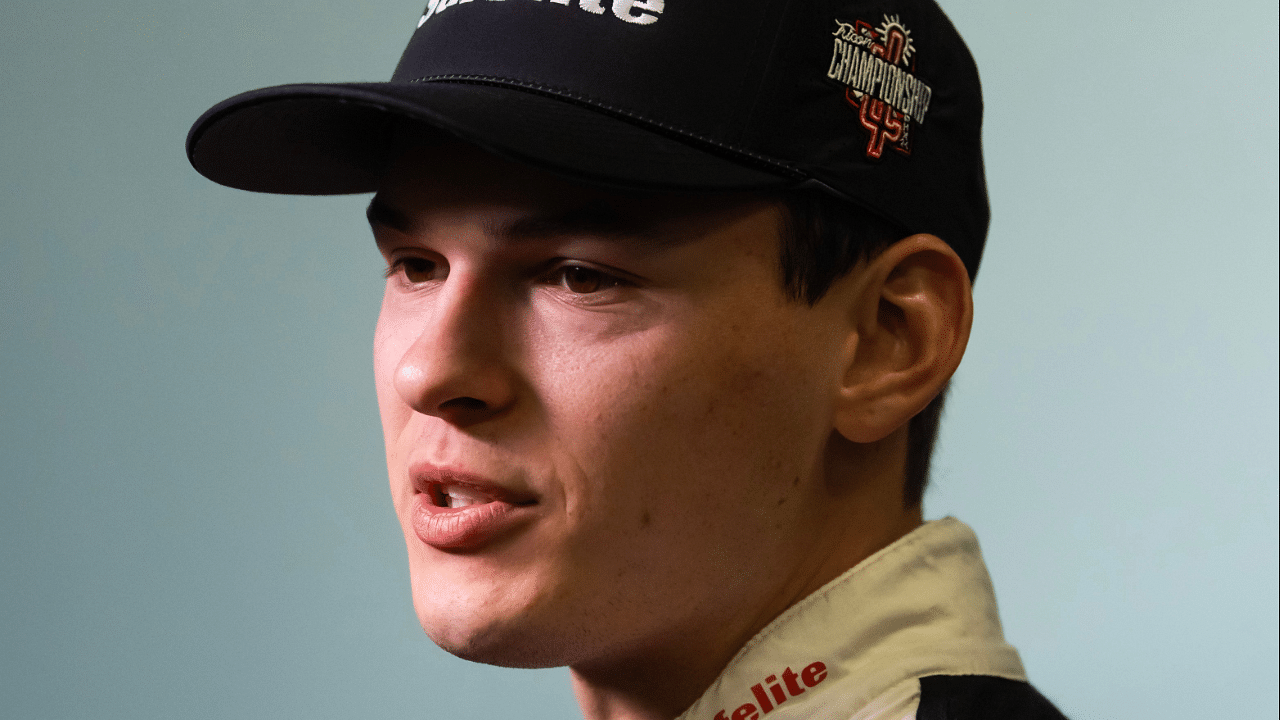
[875, 102]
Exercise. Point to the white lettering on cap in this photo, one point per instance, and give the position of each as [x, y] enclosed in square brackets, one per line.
[638, 12]
[627, 10]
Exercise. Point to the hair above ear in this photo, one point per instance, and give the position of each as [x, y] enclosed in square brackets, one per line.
[822, 241]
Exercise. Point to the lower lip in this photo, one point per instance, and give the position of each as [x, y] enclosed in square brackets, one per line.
[464, 528]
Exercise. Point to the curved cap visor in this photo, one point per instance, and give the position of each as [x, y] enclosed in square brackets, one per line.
[333, 139]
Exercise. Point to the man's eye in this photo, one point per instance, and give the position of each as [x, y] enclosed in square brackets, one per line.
[415, 269]
[584, 280]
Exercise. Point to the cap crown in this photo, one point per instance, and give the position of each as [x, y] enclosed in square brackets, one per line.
[878, 101]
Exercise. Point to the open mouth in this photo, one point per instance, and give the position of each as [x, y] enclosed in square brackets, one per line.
[460, 516]
[453, 495]
[456, 510]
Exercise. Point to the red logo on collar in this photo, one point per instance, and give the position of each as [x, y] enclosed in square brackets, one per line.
[790, 686]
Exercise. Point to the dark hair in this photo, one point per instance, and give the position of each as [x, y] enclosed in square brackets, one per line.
[822, 240]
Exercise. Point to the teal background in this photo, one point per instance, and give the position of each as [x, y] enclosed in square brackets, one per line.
[193, 514]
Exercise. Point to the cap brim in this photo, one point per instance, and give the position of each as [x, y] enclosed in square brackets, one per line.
[334, 139]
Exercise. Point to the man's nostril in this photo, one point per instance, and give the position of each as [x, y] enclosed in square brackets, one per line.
[463, 403]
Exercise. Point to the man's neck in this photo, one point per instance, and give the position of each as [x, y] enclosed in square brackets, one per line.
[660, 680]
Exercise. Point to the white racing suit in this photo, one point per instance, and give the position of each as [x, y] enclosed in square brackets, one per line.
[910, 633]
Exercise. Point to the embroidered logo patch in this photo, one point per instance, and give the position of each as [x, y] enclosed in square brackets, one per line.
[876, 65]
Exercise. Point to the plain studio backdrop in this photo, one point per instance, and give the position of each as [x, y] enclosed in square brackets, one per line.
[194, 519]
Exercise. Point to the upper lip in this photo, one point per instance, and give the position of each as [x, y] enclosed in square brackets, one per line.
[432, 480]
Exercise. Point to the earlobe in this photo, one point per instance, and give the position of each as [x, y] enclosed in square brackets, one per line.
[912, 315]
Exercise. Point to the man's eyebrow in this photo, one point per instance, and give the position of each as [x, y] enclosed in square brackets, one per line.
[380, 214]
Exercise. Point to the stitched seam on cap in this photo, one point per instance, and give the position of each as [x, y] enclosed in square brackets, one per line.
[596, 104]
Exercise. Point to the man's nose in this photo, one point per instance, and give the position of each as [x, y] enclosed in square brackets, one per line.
[458, 369]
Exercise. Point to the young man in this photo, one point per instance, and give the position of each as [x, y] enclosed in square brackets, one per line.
[674, 290]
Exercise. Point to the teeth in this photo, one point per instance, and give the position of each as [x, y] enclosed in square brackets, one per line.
[456, 496]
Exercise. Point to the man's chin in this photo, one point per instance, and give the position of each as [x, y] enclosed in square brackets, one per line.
[499, 644]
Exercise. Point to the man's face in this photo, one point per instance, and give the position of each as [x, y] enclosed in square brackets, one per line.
[603, 419]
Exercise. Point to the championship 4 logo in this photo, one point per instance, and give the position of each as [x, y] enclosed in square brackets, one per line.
[876, 66]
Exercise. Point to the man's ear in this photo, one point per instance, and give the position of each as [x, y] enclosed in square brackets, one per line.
[911, 315]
